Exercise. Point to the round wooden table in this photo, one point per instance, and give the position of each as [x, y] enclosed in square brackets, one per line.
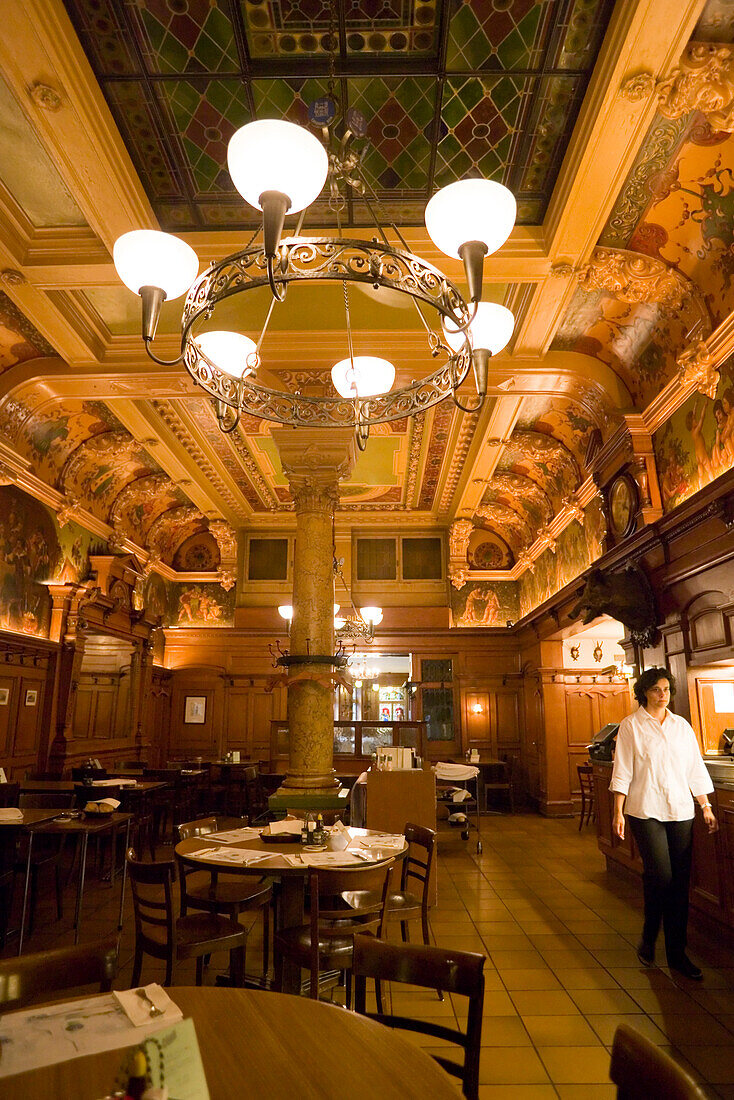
[271, 1045]
[292, 879]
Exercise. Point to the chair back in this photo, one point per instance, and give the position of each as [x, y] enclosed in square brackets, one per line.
[88, 772]
[151, 885]
[130, 765]
[352, 899]
[585, 773]
[418, 836]
[34, 977]
[9, 794]
[642, 1071]
[201, 827]
[458, 972]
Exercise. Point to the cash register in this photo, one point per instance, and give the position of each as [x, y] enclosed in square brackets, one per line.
[601, 748]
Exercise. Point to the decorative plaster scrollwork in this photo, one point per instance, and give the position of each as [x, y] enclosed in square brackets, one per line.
[227, 579]
[458, 575]
[12, 277]
[638, 87]
[226, 539]
[561, 271]
[635, 278]
[7, 476]
[46, 97]
[696, 367]
[525, 562]
[459, 535]
[67, 510]
[703, 81]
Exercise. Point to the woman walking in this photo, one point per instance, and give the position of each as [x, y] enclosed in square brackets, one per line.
[658, 770]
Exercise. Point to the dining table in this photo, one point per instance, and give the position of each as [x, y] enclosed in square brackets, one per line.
[256, 1043]
[290, 865]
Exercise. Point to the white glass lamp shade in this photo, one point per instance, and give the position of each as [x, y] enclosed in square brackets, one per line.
[273, 155]
[369, 376]
[491, 329]
[470, 210]
[232, 352]
[146, 257]
[339, 623]
[336, 607]
[285, 611]
[371, 615]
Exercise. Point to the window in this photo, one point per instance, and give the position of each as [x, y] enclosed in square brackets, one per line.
[438, 713]
[421, 559]
[268, 560]
[376, 559]
[437, 671]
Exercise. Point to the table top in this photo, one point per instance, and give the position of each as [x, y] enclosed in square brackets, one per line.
[270, 1044]
[33, 816]
[39, 786]
[90, 823]
[194, 852]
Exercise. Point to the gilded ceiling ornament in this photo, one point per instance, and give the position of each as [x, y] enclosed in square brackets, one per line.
[561, 271]
[12, 277]
[46, 97]
[635, 278]
[524, 560]
[226, 579]
[67, 510]
[495, 441]
[703, 81]
[149, 567]
[574, 509]
[458, 575]
[459, 535]
[7, 476]
[226, 540]
[696, 367]
[638, 87]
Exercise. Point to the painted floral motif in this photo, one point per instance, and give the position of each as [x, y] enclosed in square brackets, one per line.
[563, 420]
[100, 468]
[544, 460]
[489, 552]
[50, 435]
[198, 554]
[172, 528]
[484, 604]
[141, 502]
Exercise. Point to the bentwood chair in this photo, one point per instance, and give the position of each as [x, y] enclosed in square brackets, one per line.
[217, 893]
[32, 978]
[642, 1071]
[158, 932]
[586, 782]
[47, 851]
[342, 902]
[459, 972]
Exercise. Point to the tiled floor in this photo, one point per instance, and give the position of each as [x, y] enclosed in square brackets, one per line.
[559, 934]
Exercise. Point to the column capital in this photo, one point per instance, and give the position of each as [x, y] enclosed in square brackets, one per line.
[315, 460]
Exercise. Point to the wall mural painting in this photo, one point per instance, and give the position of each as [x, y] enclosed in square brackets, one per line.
[76, 545]
[510, 523]
[100, 468]
[173, 528]
[689, 222]
[577, 548]
[19, 340]
[522, 495]
[50, 435]
[563, 420]
[485, 603]
[200, 605]
[141, 503]
[29, 555]
[488, 551]
[696, 444]
[544, 460]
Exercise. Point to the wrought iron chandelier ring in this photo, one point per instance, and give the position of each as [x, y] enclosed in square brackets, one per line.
[326, 259]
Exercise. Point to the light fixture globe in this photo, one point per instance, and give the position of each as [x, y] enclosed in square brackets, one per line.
[470, 210]
[372, 615]
[274, 155]
[368, 376]
[149, 258]
[491, 329]
[285, 610]
[231, 352]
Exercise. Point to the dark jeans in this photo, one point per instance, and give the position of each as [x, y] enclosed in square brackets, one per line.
[665, 847]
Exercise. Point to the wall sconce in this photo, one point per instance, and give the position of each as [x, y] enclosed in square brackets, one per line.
[477, 708]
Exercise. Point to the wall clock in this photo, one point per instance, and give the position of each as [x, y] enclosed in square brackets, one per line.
[622, 505]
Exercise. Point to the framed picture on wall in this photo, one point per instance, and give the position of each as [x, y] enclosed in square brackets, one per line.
[195, 710]
[4, 696]
[31, 697]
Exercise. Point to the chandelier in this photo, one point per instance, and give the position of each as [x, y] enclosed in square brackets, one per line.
[280, 168]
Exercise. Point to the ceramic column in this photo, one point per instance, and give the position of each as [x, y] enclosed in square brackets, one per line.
[314, 461]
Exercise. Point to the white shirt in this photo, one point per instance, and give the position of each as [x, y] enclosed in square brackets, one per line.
[658, 766]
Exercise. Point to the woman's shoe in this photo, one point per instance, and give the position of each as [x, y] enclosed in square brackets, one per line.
[646, 953]
[684, 966]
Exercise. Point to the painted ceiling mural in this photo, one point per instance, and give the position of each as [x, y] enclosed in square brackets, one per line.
[578, 546]
[19, 339]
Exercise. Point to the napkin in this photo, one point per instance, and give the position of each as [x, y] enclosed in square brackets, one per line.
[10, 813]
[137, 1010]
[287, 825]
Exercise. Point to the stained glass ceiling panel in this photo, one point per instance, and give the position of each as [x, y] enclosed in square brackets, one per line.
[447, 90]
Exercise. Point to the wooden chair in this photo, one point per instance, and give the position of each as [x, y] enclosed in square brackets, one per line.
[158, 932]
[216, 893]
[642, 1071]
[47, 851]
[433, 967]
[342, 902]
[173, 803]
[30, 978]
[500, 779]
[9, 794]
[586, 782]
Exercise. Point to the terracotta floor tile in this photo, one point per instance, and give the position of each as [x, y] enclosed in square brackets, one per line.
[599, 1001]
[511, 1066]
[516, 960]
[587, 1092]
[576, 1065]
[517, 1092]
[606, 1025]
[586, 978]
[504, 1031]
[715, 1063]
[554, 1031]
[550, 1002]
[530, 979]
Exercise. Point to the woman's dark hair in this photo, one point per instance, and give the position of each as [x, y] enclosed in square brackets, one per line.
[648, 678]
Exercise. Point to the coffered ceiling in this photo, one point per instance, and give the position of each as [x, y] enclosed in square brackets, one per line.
[116, 116]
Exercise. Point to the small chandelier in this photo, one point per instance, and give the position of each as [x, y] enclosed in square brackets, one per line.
[280, 168]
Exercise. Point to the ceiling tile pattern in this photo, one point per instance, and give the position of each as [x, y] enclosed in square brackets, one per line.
[446, 90]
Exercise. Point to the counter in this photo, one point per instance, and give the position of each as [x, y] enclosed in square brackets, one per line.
[712, 877]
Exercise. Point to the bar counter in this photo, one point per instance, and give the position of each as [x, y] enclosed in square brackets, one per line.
[712, 877]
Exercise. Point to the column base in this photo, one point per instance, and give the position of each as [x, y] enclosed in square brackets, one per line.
[286, 799]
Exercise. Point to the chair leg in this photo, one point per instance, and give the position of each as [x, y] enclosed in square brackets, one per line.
[378, 995]
[199, 969]
[404, 934]
[59, 893]
[169, 971]
[32, 900]
[237, 966]
[137, 966]
[266, 939]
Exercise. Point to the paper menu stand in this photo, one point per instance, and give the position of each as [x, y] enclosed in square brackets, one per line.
[3, 778]
[174, 1062]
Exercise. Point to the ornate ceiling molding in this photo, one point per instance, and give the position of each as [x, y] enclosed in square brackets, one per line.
[638, 279]
[176, 426]
[696, 367]
[703, 81]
